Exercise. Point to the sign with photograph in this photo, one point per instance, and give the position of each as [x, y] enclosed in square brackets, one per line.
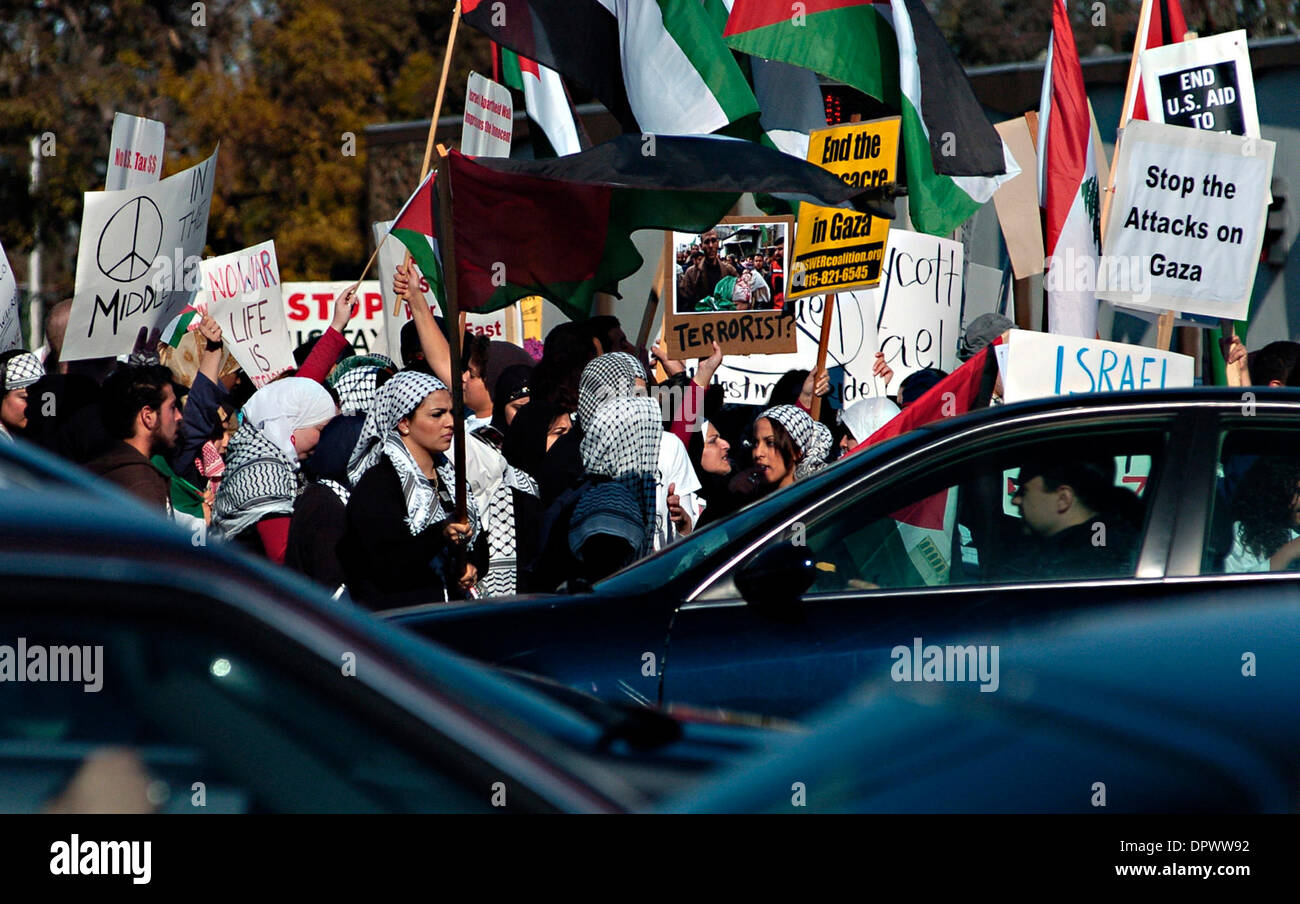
[727, 285]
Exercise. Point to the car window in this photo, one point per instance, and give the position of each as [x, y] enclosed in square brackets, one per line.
[1059, 508]
[1254, 523]
[260, 728]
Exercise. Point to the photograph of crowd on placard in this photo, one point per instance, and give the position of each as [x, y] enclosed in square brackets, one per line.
[734, 266]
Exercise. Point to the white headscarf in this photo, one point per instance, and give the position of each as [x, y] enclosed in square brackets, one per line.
[865, 416]
[279, 408]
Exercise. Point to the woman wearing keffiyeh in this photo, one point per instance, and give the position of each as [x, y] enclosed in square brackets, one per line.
[401, 546]
[789, 445]
[18, 370]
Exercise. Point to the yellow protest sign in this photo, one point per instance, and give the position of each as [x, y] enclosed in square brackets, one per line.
[836, 249]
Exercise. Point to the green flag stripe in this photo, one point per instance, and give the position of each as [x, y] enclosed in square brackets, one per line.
[700, 42]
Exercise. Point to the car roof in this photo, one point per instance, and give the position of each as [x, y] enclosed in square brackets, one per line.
[1161, 686]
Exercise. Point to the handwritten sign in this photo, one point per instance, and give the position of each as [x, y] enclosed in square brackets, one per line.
[1047, 364]
[1202, 84]
[138, 260]
[1187, 224]
[309, 308]
[135, 152]
[10, 328]
[489, 118]
[913, 316]
[837, 249]
[243, 293]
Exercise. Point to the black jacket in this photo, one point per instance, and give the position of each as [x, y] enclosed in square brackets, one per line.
[385, 566]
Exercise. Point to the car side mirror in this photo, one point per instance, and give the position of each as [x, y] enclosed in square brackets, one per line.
[777, 576]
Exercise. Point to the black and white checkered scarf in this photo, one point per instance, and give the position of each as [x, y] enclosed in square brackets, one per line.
[621, 441]
[379, 438]
[812, 439]
[606, 377]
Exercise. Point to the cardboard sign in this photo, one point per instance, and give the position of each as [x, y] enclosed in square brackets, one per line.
[135, 152]
[1187, 223]
[1202, 84]
[309, 308]
[505, 324]
[1016, 202]
[489, 118]
[739, 308]
[242, 292]
[837, 249]
[1047, 364]
[913, 316]
[138, 260]
[11, 334]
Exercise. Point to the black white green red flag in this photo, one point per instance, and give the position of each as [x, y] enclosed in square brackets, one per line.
[893, 51]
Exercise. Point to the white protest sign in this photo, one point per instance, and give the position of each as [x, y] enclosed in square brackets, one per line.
[496, 325]
[138, 260]
[913, 317]
[309, 308]
[242, 292]
[1202, 84]
[1039, 365]
[10, 328]
[135, 152]
[489, 118]
[1187, 222]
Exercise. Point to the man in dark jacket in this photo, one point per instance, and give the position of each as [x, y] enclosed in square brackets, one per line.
[1083, 525]
[141, 415]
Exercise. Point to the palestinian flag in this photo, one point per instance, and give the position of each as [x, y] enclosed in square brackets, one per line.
[561, 227]
[657, 66]
[1164, 25]
[1068, 187]
[414, 227]
[187, 321]
[544, 99]
[953, 157]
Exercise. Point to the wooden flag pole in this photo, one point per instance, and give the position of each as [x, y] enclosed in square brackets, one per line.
[433, 128]
[828, 314]
[657, 290]
[447, 241]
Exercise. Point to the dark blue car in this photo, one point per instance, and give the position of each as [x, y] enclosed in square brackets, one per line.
[790, 602]
[1187, 708]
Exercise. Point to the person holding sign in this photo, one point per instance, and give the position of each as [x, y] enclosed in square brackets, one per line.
[401, 545]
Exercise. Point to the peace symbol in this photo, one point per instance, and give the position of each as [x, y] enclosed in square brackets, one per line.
[130, 240]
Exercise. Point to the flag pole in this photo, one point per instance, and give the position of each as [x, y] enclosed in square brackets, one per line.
[658, 288]
[433, 125]
[828, 314]
[1130, 90]
[447, 245]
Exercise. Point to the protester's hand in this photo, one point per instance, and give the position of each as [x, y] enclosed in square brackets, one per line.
[818, 383]
[209, 330]
[676, 513]
[882, 370]
[404, 279]
[1233, 349]
[670, 366]
[709, 366]
[345, 306]
[469, 578]
[457, 532]
[145, 350]
[209, 502]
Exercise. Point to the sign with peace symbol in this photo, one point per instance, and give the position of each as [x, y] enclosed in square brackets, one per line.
[130, 240]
